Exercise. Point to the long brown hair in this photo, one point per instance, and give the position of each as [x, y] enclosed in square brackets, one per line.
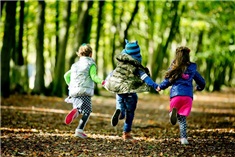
[180, 63]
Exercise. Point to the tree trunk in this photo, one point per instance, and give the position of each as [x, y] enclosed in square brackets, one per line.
[18, 55]
[130, 22]
[57, 32]
[39, 85]
[151, 44]
[118, 32]
[19, 77]
[99, 25]
[58, 85]
[200, 41]
[2, 3]
[8, 42]
[160, 53]
[83, 27]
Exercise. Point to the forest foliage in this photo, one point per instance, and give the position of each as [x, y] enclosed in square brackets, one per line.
[40, 38]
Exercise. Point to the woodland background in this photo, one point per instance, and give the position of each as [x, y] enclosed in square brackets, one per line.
[39, 41]
[40, 38]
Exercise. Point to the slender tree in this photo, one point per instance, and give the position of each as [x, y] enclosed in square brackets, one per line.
[99, 27]
[58, 85]
[84, 23]
[161, 50]
[7, 47]
[130, 22]
[18, 54]
[57, 31]
[2, 3]
[39, 86]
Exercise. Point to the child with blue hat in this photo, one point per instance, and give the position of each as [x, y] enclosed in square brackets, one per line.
[126, 80]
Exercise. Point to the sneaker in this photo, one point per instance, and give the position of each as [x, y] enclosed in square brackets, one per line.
[127, 136]
[71, 116]
[80, 134]
[184, 141]
[173, 116]
[115, 117]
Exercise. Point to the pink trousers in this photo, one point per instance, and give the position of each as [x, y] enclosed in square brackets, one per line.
[183, 104]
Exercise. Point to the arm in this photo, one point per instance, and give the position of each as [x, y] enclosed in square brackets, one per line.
[67, 77]
[93, 74]
[147, 80]
[165, 84]
[199, 81]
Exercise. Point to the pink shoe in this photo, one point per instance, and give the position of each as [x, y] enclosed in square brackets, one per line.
[71, 116]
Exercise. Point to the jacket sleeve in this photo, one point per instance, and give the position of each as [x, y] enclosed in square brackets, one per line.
[165, 84]
[67, 77]
[93, 74]
[147, 79]
[199, 81]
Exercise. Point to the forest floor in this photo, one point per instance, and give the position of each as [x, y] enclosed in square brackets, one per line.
[34, 126]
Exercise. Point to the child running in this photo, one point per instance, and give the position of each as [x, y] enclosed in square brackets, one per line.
[81, 78]
[128, 78]
[180, 76]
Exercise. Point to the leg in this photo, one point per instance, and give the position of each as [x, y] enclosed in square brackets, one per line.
[183, 129]
[86, 108]
[81, 125]
[71, 116]
[131, 103]
[173, 116]
[118, 114]
[83, 121]
[77, 102]
[121, 105]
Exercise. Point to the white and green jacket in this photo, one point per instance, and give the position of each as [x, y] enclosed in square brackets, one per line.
[81, 77]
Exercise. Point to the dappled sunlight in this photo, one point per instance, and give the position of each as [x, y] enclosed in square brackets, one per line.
[213, 110]
[37, 110]
[218, 98]
[36, 132]
[37, 125]
[220, 130]
[33, 109]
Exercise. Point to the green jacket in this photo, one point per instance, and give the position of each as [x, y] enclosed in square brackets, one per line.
[125, 78]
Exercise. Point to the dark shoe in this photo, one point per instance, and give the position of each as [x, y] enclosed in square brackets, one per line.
[115, 117]
[173, 116]
[71, 116]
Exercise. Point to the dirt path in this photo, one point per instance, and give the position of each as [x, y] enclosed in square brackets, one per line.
[33, 126]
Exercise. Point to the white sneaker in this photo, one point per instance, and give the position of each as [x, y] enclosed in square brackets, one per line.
[184, 141]
[80, 134]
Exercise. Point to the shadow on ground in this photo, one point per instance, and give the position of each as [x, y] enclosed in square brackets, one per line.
[33, 126]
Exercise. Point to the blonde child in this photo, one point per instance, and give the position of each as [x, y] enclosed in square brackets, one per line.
[81, 78]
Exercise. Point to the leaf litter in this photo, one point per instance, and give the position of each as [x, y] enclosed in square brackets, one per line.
[34, 126]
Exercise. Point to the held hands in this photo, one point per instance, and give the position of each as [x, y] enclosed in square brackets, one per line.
[158, 89]
[103, 83]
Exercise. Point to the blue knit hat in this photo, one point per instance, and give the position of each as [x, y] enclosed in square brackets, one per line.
[133, 49]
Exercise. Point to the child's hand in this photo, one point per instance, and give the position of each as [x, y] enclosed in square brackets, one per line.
[103, 83]
[158, 89]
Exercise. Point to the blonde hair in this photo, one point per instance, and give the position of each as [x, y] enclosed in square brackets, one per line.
[84, 50]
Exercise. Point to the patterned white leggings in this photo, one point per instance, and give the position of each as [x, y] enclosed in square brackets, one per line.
[183, 126]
